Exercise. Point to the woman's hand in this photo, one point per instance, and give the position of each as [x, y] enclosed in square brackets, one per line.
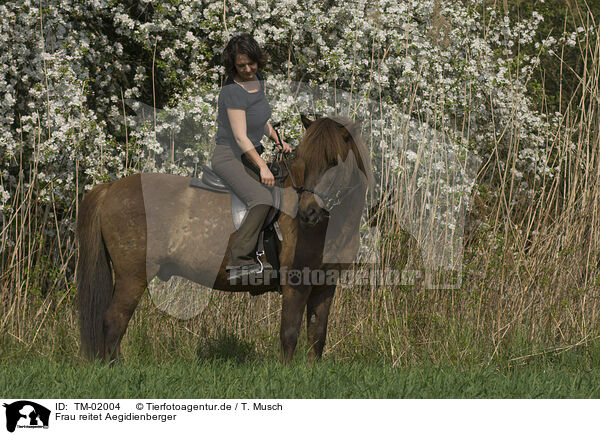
[284, 146]
[272, 133]
[266, 176]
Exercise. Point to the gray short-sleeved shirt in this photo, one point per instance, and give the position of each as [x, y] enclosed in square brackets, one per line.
[256, 106]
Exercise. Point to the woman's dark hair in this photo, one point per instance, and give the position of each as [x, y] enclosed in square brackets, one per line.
[243, 43]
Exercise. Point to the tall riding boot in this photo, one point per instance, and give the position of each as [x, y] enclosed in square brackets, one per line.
[244, 245]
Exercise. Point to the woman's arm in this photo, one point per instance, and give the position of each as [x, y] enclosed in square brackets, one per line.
[271, 134]
[237, 120]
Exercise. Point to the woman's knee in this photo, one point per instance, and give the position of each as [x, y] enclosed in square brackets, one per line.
[263, 197]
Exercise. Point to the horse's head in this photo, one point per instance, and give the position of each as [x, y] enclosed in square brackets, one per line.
[335, 167]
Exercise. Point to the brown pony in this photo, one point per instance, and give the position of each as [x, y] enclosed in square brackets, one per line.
[148, 225]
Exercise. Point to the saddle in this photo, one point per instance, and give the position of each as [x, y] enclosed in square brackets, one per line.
[270, 238]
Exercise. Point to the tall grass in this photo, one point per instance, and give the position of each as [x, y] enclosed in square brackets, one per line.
[529, 284]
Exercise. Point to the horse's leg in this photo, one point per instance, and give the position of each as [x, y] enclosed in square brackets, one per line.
[317, 313]
[294, 301]
[128, 291]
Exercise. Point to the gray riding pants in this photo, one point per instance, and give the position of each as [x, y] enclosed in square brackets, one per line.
[258, 197]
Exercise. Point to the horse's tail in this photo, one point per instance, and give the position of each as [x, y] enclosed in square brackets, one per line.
[94, 275]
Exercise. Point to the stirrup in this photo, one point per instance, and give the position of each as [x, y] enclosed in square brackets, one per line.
[260, 252]
[264, 265]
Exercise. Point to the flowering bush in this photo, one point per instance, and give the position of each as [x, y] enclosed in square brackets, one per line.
[79, 81]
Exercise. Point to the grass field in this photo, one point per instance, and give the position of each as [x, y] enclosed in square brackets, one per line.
[165, 357]
[228, 367]
[219, 378]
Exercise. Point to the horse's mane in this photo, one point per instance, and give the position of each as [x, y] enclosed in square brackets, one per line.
[328, 138]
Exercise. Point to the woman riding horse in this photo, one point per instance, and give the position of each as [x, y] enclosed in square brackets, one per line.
[242, 119]
[155, 225]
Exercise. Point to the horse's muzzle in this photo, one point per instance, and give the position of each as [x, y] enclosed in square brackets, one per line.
[310, 215]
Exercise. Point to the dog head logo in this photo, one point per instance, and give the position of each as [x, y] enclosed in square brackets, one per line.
[26, 414]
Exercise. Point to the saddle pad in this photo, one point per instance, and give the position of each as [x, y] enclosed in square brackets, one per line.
[238, 210]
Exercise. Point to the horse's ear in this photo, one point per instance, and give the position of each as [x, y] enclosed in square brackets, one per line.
[345, 133]
[350, 129]
[305, 121]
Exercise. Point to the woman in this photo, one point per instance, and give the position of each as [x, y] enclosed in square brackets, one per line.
[242, 120]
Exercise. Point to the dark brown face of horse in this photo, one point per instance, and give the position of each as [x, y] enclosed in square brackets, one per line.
[330, 172]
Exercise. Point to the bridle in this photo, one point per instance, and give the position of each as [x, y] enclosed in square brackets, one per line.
[329, 199]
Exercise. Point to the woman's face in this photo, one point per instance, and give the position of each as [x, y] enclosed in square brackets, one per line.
[246, 68]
